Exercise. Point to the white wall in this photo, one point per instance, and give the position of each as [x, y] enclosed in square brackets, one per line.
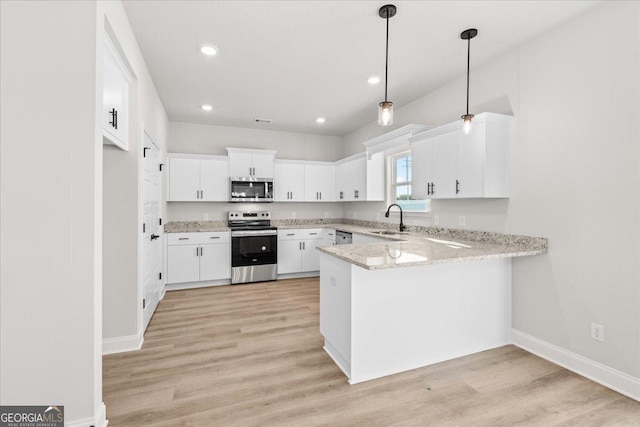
[574, 93]
[122, 300]
[205, 139]
[50, 208]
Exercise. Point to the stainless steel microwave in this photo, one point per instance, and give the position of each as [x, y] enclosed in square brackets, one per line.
[251, 189]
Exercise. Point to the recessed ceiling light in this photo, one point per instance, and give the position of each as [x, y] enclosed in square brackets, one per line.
[373, 80]
[206, 107]
[320, 120]
[208, 49]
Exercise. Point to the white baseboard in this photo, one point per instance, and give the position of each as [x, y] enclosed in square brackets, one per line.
[602, 374]
[298, 275]
[122, 344]
[98, 420]
[195, 285]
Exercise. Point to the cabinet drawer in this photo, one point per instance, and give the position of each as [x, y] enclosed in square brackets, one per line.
[197, 238]
[300, 234]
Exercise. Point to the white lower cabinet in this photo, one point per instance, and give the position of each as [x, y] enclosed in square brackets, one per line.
[196, 257]
[297, 250]
[329, 238]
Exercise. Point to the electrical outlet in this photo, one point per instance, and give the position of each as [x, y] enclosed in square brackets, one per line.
[597, 332]
[333, 280]
[205, 217]
[293, 215]
[463, 220]
[436, 220]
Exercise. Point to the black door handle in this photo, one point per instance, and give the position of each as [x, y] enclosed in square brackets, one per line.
[154, 236]
[114, 118]
[457, 186]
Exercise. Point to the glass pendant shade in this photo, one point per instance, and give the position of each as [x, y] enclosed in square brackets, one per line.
[467, 123]
[385, 113]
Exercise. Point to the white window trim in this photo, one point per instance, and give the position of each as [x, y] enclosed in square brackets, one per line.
[391, 184]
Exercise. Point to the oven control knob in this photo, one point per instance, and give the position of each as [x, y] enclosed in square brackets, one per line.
[264, 248]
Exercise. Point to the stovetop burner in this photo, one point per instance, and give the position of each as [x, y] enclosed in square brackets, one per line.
[260, 220]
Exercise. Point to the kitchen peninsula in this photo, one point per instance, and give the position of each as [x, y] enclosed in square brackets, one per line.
[422, 298]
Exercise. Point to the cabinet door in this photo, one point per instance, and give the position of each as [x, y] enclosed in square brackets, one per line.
[445, 148]
[341, 182]
[115, 99]
[421, 165]
[183, 264]
[289, 256]
[311, 190]
[184, 180]
[281, 180]
[296, 185]
[215, 261]
[214, 180]
[310, 256]
[326, 183]
[240, 164]
[471, 162]
[263, 165]
[358, 179]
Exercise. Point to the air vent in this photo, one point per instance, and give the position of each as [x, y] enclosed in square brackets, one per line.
[264, 121]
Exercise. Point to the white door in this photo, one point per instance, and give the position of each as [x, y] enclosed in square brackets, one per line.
[240, 164]
[214, 181]
[471, 162]
[262, 165]
[310, 256]
[445, 150]
[184, 180]
[281, 182]
[326, 182]
[152, 231]
[296, 183]
[421, 173]
[289, 256]
[183, 263]
[215, 261]
[311, 191]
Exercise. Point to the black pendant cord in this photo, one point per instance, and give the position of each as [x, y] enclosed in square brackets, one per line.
[386, 60]
[468, 69]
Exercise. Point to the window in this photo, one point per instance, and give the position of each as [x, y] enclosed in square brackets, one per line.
[400, 190]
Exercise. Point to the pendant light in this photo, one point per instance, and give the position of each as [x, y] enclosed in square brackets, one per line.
[467, 118]
[385, 110]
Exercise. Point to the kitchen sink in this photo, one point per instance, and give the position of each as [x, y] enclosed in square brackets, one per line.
[387, 232]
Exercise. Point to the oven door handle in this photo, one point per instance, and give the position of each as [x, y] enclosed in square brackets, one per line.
[254, 233]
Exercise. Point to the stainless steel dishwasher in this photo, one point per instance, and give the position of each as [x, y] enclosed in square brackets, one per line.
[343, 238]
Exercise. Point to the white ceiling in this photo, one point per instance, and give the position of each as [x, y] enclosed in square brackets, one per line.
[294, 61]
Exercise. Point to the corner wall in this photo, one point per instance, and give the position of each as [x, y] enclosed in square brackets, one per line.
[122, 296]
[575, 96]
[50, 208]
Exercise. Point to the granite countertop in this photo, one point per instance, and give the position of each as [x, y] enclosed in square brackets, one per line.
[417, 246]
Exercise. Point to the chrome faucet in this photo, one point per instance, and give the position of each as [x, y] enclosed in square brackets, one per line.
[402, 227]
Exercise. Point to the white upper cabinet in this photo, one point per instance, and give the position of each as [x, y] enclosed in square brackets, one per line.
[288, 183]
[246, 162]
[360, 179]
[115, 97]
[194, 178]
[319, 182]
[448, 164]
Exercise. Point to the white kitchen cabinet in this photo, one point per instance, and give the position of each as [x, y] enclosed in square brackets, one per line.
[195, 257]
[329, 237]
[448, 164]
[297, 250]
[319, 182]
[197, 179]
[115, 97]
[288, 183]
[246, 162]
[359, 178]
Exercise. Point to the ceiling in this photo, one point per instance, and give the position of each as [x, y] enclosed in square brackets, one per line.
[294, 61]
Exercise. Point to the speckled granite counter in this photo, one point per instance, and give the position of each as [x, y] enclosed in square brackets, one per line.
[195, 226]
[417, 246]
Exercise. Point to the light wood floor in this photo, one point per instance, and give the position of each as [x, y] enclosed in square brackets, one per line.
[252, 355]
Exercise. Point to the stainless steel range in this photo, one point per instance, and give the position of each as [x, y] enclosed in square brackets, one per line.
[254, 247]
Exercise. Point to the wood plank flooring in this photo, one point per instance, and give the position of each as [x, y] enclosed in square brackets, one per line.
[252, 355]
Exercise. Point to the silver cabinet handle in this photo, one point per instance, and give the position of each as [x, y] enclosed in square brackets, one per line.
[215, 237]
[200, 250]
[313, 234]
[291, 234]
[320, 195]
[299, 245]
[304, 245]
[197, 251]
[183, 238]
